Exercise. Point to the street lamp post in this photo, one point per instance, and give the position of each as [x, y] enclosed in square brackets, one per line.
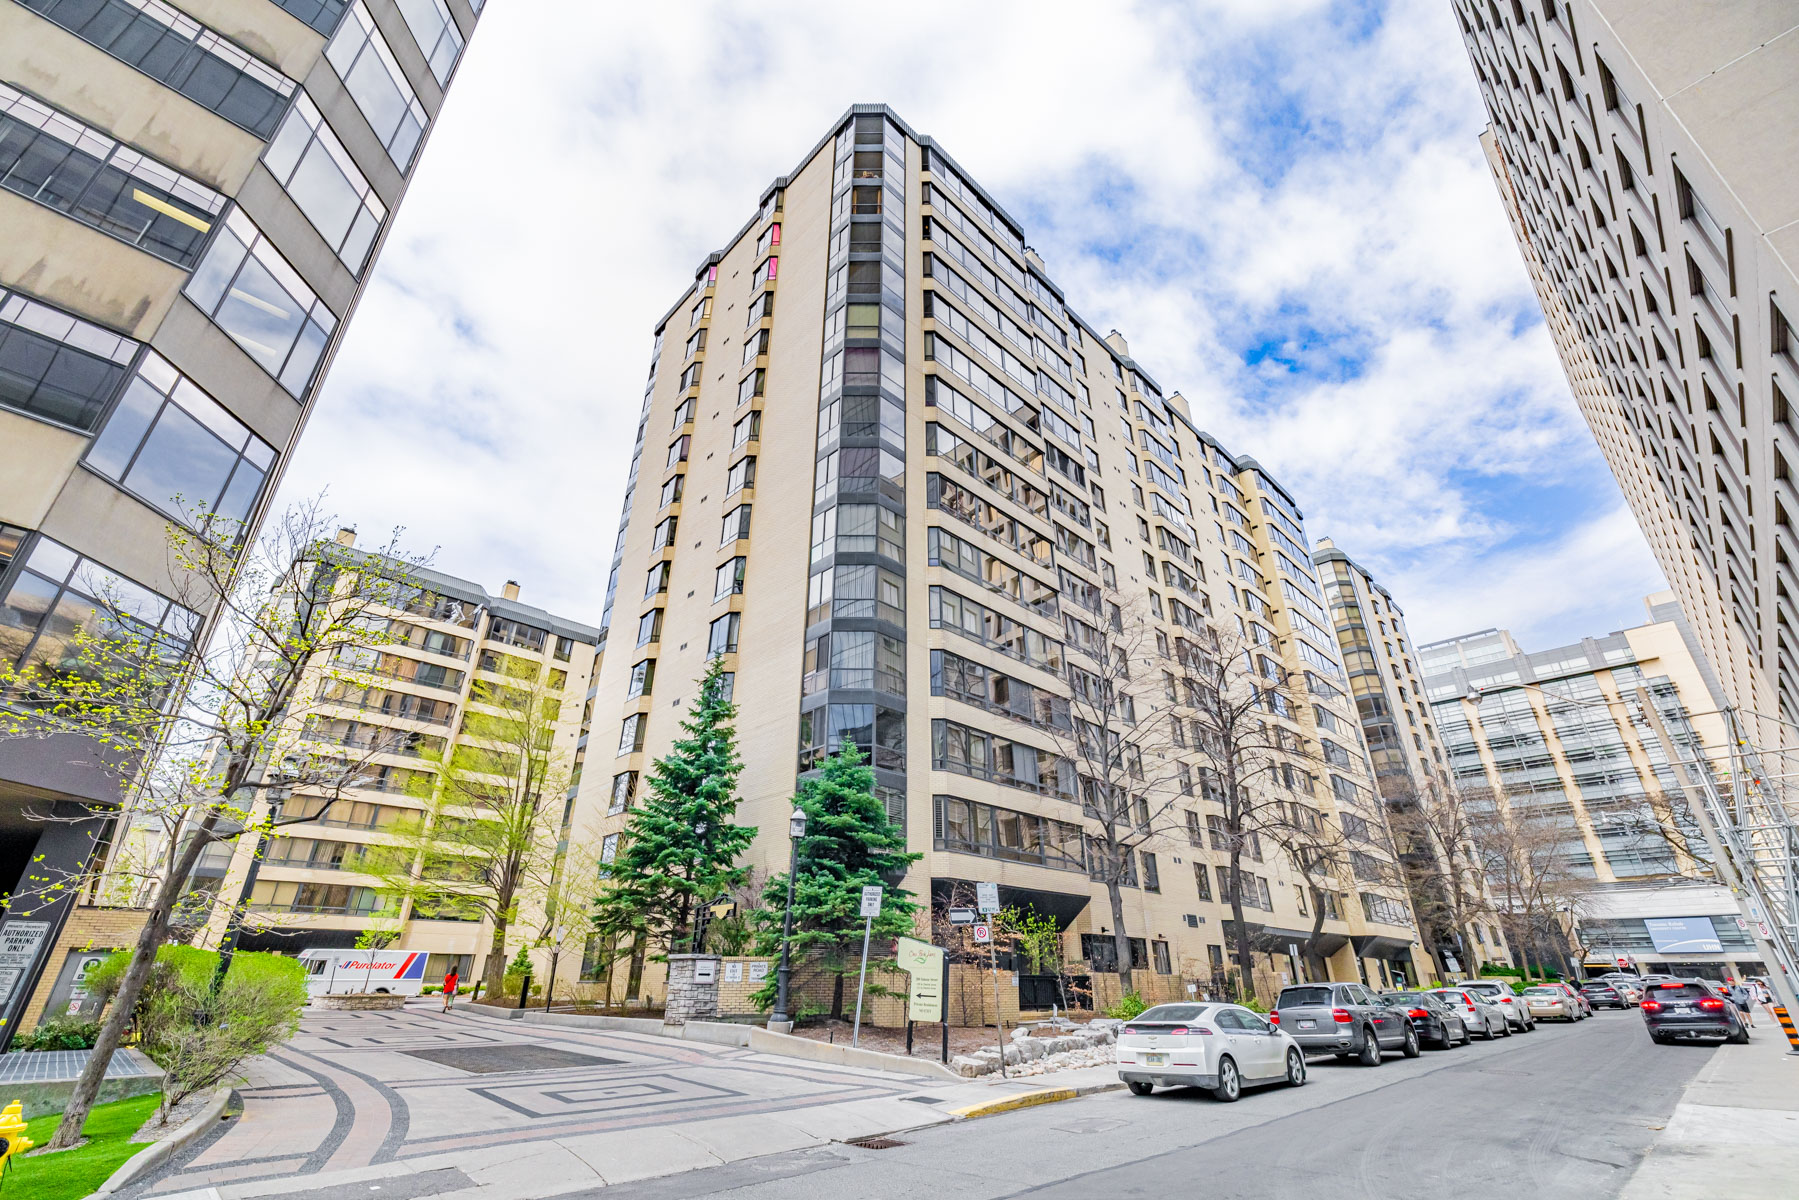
[279, 790]
[796, 829]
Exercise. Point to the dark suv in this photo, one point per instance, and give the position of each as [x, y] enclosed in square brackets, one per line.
[1343, 1019]
[1674, 1009]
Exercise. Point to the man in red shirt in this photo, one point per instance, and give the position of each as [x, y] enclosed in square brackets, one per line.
[451, 980]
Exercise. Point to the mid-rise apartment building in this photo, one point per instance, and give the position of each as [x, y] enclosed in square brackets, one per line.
[889, 475]
[191, 201]
[450, 657]
[1410, 766]
[1644, 157]
[1559, 736]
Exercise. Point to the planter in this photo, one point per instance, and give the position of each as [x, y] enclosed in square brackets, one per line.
[359, 1001]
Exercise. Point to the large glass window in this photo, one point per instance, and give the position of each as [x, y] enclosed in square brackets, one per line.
[322, 15]
[59, 592]
[251, 292]
[170, 444]
[374, 80]
[436, 33]
[55, 366]
[173, 48]
[59, 162]
[307, 159]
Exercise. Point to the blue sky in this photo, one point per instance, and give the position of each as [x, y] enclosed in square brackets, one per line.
[1281, 203]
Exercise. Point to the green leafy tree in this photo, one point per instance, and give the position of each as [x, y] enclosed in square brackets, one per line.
[850, 844]
[680, 847]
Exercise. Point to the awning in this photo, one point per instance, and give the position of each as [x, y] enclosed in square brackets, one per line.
[1369, 945]
[1271, 939]
[1060, 907]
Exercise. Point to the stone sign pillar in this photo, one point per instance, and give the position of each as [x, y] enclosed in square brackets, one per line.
[692, 988]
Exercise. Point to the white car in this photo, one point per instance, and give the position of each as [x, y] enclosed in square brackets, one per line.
[1220, 1047]
[1500, 995]
[1482, 1017]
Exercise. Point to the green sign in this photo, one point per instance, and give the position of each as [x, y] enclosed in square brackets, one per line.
[925, 964]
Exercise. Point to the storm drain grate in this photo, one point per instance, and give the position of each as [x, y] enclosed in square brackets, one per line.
[877, 1143]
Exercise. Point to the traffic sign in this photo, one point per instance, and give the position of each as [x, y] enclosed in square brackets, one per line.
[983, 933]
[961, 916]
[871, 901]
[987, 897]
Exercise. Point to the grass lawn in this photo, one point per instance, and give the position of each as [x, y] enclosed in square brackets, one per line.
[72, 1174]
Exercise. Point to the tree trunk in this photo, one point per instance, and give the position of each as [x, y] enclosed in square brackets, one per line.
[837, 998]
[1121, 942]
[137, 973]
[1246, 980]
[493, 972]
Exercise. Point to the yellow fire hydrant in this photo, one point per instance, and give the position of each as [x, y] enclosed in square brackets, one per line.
[12, 1134]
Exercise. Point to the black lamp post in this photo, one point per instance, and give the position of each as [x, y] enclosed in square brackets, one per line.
[796, 829]
[279, 788]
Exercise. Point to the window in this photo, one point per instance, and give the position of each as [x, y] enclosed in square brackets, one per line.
[624, 790]
[722, 637]
[746, 430]
[375, 82]
[1159, 952]
[322, 15]
[677, 450]
[307, 160]
[57, 592]
[671, 491]
[565, 648]
[1152, 882]
[1202, 881]
[968, 827]
[728, 579]
[742, 475]
[736, 525]
[172, 446]
[262, 304]
[683, 413]
[630, 737]
[57, 367]
[643, 678]
[664, 533]
[173, 48]
[751, 385]
[658, 580]
[50, 158]
[436, 34]
[649, 626]
[608, 854]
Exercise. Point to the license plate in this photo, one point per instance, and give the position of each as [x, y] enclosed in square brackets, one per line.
[1308, 1024]
[1155, 1060]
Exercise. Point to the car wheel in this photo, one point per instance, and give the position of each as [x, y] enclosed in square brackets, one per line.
[1486, 1031]
[1658, 1039]
[1139, 1088]
[1296, 1069]
[1740, 1037]
[1370, 1052]
[1230, 1084]
[1507, 1031]
[1411, 1042]
[1467, 1038]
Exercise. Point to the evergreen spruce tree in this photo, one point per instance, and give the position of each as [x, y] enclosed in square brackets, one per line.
[849, 844]
[680, 849]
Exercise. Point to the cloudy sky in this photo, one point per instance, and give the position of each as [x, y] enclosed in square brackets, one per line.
[1281, 203]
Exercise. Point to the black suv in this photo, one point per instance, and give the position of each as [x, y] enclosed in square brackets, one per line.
[1691, 1008]
[1601, 994]
[1343, 1019]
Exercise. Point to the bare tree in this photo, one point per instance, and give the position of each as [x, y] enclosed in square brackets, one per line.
[1531, 855]
[1434, 826]
[192, 710]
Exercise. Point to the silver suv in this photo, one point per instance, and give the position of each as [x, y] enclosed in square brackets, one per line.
[1344, 1019]
[1501, 996]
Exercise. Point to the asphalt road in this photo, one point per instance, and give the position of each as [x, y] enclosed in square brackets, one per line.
[1565, 1112]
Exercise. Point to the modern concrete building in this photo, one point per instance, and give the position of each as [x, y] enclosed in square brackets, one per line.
[1410, 764]
[900, 482]
[1558, 735]
[1645, 155]
[191, 201]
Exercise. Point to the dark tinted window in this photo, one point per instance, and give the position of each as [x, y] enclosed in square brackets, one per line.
[1407, 997]
[1170, 1012]
[1681, 991]
[1293, 996]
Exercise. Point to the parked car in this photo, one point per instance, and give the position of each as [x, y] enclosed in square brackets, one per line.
[1500, 994]
[1601, 994]
[1547, 1002]
[1679, 1009]
[1344, 1019]
[1582, 1007]
[1220, 1047]
[1629, 986]
[1436, 1023]
[1481, 1016]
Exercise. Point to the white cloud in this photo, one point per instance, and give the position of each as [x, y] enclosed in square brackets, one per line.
[1208, 178]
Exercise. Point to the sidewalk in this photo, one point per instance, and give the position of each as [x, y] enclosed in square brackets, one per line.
[1735, 1133]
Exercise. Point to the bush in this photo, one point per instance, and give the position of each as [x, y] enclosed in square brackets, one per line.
[1129, 1005]
[59, 1033]
[1255, 1005]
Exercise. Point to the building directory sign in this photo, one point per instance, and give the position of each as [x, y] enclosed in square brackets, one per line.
[1683, 935]
[925, 964]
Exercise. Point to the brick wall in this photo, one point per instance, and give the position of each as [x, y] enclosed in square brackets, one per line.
[88, 928]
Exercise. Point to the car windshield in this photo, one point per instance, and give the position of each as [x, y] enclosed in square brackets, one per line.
[1679, 991]
[1303, 995]
[1169, 1013]
[1486, 988]
[1542, 991]
[1405, 997]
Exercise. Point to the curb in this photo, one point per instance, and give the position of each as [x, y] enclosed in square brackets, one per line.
[991, 1108]
[153, 1156]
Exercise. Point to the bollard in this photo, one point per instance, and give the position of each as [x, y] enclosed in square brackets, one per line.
[524, 990]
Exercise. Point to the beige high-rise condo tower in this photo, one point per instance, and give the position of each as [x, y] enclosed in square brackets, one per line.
[192, 197]
[1646, 157]
[888, 474]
